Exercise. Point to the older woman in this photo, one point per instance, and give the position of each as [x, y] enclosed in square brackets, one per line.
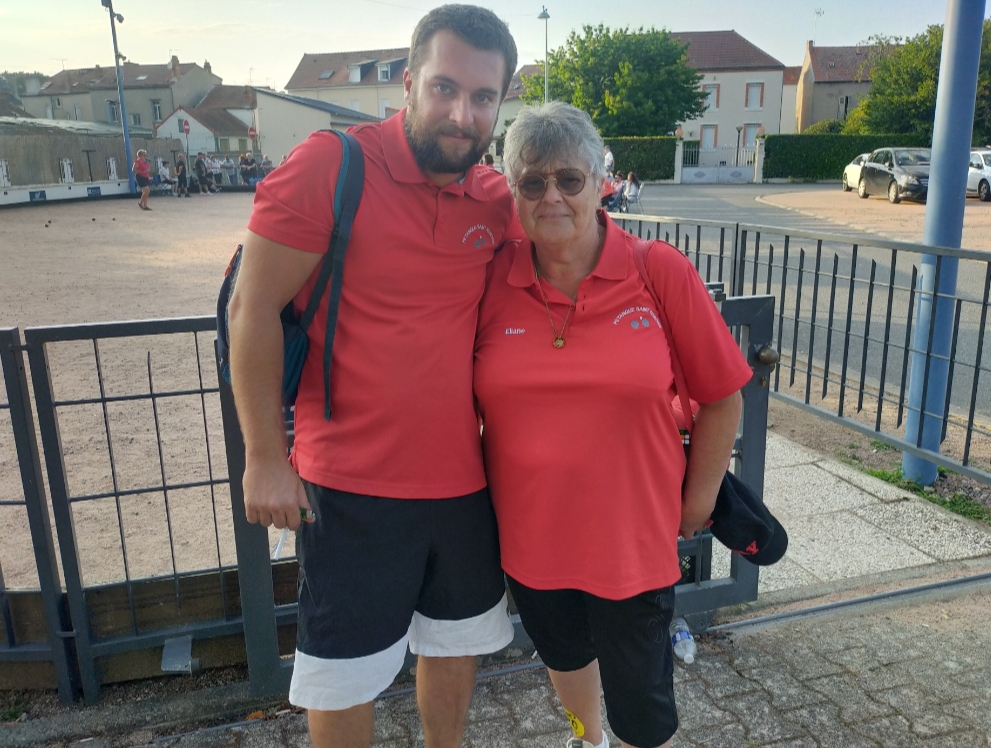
[585, 464]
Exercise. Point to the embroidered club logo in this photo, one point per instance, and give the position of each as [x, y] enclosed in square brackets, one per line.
[640, 322]
[479, 236]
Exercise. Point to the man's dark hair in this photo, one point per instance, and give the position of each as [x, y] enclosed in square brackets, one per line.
[478, 27]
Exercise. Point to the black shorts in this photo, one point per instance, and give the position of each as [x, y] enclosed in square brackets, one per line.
[571, 628]
[367, 564]
[142, 181]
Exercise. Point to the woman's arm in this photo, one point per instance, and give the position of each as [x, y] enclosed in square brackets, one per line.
[712, 444]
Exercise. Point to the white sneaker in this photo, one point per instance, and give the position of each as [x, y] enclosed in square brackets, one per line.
[578, 743]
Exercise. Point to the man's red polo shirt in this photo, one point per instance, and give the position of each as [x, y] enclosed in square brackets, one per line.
[404, 424]
[583, 456]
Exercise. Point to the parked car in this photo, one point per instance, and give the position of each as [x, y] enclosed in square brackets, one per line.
[898, 172]
[979, 175]
[851, 172]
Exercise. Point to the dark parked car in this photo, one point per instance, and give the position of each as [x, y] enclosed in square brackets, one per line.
[897, 172]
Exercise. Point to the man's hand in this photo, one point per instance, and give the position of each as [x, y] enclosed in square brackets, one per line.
[273, 494]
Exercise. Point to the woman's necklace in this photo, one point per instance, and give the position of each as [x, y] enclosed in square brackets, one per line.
[558, 341]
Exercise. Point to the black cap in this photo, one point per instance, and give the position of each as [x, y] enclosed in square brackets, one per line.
[742, 523]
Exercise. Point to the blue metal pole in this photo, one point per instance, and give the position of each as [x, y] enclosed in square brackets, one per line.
[952, 132]
[131, 185]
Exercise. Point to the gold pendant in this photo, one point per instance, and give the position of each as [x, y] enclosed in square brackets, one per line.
[559, 342]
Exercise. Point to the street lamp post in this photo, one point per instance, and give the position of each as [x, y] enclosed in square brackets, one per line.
[544, 16]
[739, 129]
[109, 5]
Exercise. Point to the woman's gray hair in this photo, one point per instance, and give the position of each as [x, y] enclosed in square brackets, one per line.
[552, 132]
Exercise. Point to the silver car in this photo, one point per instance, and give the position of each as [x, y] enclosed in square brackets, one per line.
[851, 173]
[979, 175]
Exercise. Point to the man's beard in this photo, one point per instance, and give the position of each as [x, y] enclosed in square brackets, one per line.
[430, 157]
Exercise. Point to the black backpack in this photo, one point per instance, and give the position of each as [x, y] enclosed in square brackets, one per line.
[347, 196]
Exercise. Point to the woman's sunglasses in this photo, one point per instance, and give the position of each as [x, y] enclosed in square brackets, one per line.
[569, 182]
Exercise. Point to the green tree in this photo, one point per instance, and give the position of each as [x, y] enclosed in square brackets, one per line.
[632, 83]
[904, 81]
[855, 124]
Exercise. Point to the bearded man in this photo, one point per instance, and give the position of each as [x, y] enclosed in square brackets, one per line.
[399, 543]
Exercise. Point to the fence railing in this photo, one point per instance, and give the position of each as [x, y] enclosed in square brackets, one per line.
[845, 324]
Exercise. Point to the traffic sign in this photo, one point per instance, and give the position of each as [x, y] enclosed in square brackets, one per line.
[252, 133]
[185, 126]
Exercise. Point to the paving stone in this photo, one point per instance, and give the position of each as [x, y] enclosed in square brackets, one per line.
[804, 663]
[890, 732]
[486, 705]
[957, 740]
[889, 676]
[844, 691]
[800, 743]
[763, 723]
[555, 740]
[534, 713]
[908, 701]
[392, 717]
[205, 739]
[786, 692]
[934, 723]
[267, 734]
[977, 682]
[721, 680]
[696, 709]
[724, 736]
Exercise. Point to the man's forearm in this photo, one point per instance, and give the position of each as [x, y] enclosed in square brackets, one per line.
[256, 374]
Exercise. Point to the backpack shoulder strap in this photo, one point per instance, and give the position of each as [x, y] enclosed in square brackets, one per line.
[641, 250]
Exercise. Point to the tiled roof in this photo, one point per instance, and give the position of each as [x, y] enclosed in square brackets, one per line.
[792, 74]
[327, 70]
[8, 107]
[724, 50]
[219, 121]
[326, 106]
[81, 80]
[229, 97]
[841, 64]
[516, 85]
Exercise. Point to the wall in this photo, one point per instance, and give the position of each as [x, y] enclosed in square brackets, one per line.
[190, 89]
[37, 106]
[282, 125]
[826, 97]
[34, 159]
[369, 98]
[732, 97]
[507, 112]
[199, 139]
[789, 117]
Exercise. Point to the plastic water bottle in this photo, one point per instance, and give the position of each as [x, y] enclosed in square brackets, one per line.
[682, 641]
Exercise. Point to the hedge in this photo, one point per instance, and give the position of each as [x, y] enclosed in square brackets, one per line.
[648, 158]
[812, 157]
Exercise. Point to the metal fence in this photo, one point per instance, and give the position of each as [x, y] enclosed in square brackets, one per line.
[129, 421]
[27, 535]
[845, 324]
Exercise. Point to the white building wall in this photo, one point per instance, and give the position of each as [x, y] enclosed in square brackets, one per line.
[282, 125]
[732, 111]
[199, 138]
[789, 115]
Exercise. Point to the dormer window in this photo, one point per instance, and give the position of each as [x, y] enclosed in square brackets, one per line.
[325, 75]
[354, 73]
[142, 78]
[384, 73]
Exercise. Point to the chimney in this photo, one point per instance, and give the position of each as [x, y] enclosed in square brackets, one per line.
[207, 68]
[174, 63]
[247, 97]
[809, 45]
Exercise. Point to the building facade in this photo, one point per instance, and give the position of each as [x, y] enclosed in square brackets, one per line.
[832, 83]
[367, 81]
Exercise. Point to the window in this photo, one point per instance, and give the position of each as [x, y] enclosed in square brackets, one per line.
[975, 162]
[113, 111]
[711, 96]
[65, 170]
[112, 169]
[384, 74]
[987, 159]
[354, 73]
[708, 137]
[156, 110]
[755, 96]
[4, 173]
[242, 145]
[224, 144]
[78, 112]
[750, 134]
[58, 103]
[135, 119]
[383, 105]
[325, 75]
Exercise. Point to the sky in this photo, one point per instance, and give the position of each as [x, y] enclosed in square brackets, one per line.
[261, 41]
